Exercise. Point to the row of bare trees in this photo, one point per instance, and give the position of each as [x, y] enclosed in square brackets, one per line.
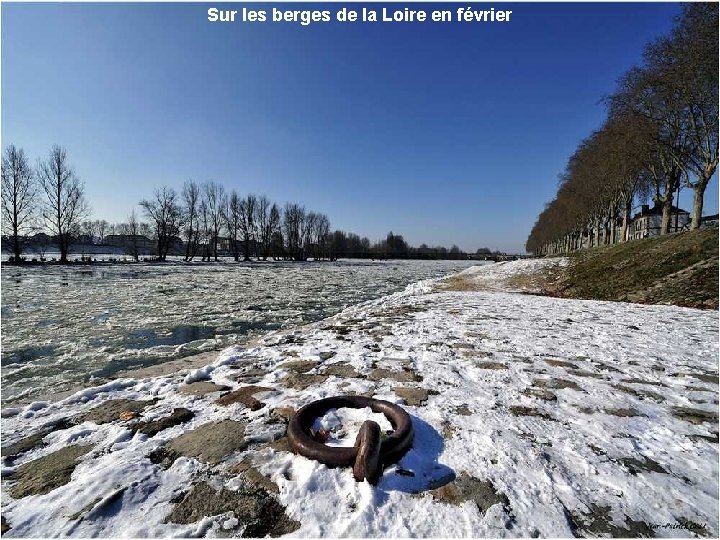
[202, 220]
[48, 197]
[210, 220]
[661, 134]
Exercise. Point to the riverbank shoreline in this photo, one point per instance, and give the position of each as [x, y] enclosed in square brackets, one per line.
[534, 416]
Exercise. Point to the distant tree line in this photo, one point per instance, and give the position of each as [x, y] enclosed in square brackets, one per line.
[660, 134]
[46, 204]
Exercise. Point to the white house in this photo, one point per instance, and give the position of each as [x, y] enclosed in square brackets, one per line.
[647, 222]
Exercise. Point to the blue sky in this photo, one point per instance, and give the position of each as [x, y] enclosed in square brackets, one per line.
[445, 133]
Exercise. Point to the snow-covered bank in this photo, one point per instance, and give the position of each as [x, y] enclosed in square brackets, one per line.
[533, 416]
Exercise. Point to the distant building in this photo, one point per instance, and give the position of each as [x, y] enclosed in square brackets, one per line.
[709, 221]
[647, 222]
[144, 244]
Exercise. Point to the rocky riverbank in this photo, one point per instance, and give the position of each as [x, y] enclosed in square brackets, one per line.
[534, 416]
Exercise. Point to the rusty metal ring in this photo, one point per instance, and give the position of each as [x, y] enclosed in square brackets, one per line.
[370, 454]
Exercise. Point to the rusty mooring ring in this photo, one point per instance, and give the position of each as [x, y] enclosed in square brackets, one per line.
[370, 454]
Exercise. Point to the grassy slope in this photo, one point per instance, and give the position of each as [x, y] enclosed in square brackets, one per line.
[680, 269]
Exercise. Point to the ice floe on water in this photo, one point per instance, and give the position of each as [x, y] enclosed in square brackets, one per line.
[533, 416]
[70, 326]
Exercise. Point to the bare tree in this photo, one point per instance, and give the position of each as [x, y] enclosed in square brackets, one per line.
[18, 197]
[166, 215]
[263, 224]
[65, 203]
[686, 64]
[89, 228]
[191, 199]
[293, 228]
[102, 227]
[133, 232]
[247, 223]
[233, 223]
[215, 201]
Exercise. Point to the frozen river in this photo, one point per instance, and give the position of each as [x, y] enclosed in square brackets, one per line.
[66, 326]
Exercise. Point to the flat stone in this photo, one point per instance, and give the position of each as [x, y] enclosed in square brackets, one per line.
[32, 441]
[245, 396]
[639, 392]
[113, 409]
[211, 442]
[560, 363]
[178, 416]
[414, 397]
[600, 522]
[583, 373]
[463, 410]
[251, 375]
[299, 366]
[490, 365]
[540, 393]
[44, 474]
[520, 410]
[645, 464]
[259, 513]
[695, 416]
[281, 445]
[448, 429]
[623, 412]
[200, 388]
[705, 377]
[283, 414]
[341, 369]
[163, 456]
[253, 476]
[557, 384]
[467, 488]
[399, 376]
[327, 355]
[714, 438]
[299, 381]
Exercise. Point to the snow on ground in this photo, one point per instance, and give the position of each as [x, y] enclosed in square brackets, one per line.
[500, 276]
[534, 416]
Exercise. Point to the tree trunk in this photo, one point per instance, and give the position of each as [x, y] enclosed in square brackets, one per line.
[666, 215]
[626, 221]
[597, 232]
[699, 196]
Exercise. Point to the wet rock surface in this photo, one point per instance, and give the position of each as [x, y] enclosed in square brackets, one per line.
[599, 521]
[211, 442]
[557, 384]
[201, 388]
[301, 381]
[695, 416]
[299, 366]
[468, 488]
[178, 416]
[521, 410]
[44, 474]
[341, 369]
[414, 397]
[25, 444]
[116, 409]
[253, 476]
[258, 513]
[245, 396]
[491, 365]
[379, 374]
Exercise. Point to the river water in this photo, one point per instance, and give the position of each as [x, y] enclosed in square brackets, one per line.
[68, 326]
